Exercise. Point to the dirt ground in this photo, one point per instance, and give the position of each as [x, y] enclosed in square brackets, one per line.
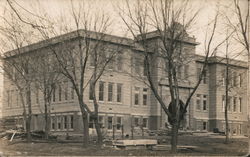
[192, 145]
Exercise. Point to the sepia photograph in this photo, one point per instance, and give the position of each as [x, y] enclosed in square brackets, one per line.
[124, 78]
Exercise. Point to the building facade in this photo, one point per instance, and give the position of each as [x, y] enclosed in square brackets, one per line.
[124, 100]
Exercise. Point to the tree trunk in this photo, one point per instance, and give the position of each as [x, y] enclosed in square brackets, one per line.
[28, 122]
[226, 106]
[85, 129]
[174, 138]
[227, 127]
[46, 121]
[85, 125]
[98, 131]
[24, 110]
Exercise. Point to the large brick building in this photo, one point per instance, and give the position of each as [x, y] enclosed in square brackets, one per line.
[125, 100]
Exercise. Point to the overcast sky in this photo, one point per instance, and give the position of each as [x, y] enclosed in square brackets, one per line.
[61, 9]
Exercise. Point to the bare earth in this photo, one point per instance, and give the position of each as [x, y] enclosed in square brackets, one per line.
[194, 145]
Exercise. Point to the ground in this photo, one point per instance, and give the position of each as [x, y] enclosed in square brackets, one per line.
[194, 145]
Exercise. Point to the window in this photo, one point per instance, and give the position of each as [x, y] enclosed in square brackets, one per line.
[71, 122]
[17, 98]
[110, 123]
[65, 121]
[118, 123]
[229, 104]
[8, 98]
[111, 63]
[72, 93]
[101, 91]
[179, 71]
[204, 80]
[240, 104]
[110, 92]
[145, 96]
[14, 73]
[198, 73]
[137, 66]
[66, 91]
[204, 125]
[223, 103]
[59, 92]
[145, 122]
[53, 121]
[91, 91]
[186, 70]
[54, 95]
[235, 79]
[240, 129]
[37, 95]
[11, 97]
[145, 68]
[204, 102]
[119, 62]
[234, 104]
[136, 121]
[198, 101]
[223, 76]
[137, 95]
[240, 80]
[119, 92]
[59, 123]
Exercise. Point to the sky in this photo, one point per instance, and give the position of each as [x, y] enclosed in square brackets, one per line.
[60, 12]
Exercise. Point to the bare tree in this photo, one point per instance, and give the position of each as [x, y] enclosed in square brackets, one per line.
[73, 57]
[17, 69]
[241, 28]
[46, 76]
[172, 24]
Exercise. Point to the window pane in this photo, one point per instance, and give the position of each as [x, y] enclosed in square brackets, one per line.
[204, 125]
[110, 123]
[66, 91]
[119, 92]
[59, 92]
[72, 93]
[71, 122]
[119, 62]
[136, 122]
[145, 99]
[145, 122]
[59, 122]
[136, 99]
[240, 104]
[101, 91]
[119, 123]
[198, 102]
[91, 92]
[65, 122]
[110, 91]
